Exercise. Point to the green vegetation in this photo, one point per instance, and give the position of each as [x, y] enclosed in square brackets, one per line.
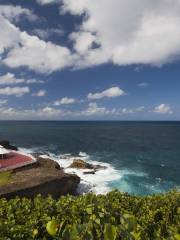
[113, 216]
[4, 177]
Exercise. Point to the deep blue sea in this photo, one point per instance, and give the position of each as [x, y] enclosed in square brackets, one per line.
[142, 157]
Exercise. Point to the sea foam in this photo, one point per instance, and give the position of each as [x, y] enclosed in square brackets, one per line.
[97, 183]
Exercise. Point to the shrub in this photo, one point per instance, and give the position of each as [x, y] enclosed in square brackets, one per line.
[109, 217]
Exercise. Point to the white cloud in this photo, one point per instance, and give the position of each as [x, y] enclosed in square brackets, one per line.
[9, 35]
[143, 84]
[127, 32]
[94, 109]
[64, 101]
[25, 50]
[14, 13]
[109, 93]
[130, 110]
[3, 102]
[16, 91]
[82, 41]
[44, 2]
[26, 114]
[40, 93]
[163, 109]
[10, 79]
[38, 55]
[49, 113]
[33, 81]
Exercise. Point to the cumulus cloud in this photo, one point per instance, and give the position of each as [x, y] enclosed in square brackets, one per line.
[9, 35]
[14, 13]
[49, 113]
[94, 109]
[127, 32]
[109, 93]
[64, 101]
[130, 110]
[100, 111]
[10, 79]
[163, 109]
[26, 114]
[44, 2]
[82, 41]
[25, 50]
[38, 55]
[40, 93]
[16, 91]
[33, 81]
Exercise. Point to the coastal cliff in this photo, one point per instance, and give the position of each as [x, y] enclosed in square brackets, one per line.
[44, 177]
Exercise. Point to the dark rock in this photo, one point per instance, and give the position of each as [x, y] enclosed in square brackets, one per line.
[80, 164]
[90, 172]
[6, 144]
[99, 167]
[43, 178]
[48, 163]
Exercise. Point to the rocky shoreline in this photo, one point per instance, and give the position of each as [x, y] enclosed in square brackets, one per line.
[44, 177]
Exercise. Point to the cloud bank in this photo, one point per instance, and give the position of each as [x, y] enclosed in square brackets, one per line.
[117, 31]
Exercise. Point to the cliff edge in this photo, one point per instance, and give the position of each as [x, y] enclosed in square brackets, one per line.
[44, 177]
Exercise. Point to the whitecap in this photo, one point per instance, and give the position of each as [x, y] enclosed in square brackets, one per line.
[101, 182]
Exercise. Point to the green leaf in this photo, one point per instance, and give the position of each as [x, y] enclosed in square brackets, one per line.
[51, 227]
[110, 232]
[177, 236]
[129, 221]
[89, 211]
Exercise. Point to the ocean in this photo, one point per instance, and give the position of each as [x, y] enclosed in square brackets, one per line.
[141, 157]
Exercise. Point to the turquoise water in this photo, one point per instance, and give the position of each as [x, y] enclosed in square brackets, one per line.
[146, 155]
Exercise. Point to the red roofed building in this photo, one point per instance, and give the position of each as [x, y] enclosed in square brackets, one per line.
[12, 160]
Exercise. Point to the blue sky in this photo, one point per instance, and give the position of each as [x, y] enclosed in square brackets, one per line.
[71, 60]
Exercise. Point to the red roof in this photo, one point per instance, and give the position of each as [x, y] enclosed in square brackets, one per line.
[15, 160]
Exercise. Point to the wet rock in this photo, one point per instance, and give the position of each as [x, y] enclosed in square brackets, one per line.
[6, 144]
[80, 164]
[89, 172]
[99, 167]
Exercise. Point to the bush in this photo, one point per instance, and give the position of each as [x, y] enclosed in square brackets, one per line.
[109, 217]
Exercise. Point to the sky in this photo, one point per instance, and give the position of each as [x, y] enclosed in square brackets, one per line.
[89, 60]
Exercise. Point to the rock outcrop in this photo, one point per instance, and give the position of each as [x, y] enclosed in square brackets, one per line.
[81, 164]
[44, 177]
[6, 144]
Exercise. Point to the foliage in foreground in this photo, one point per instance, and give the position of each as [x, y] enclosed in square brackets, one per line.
[113, 216]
